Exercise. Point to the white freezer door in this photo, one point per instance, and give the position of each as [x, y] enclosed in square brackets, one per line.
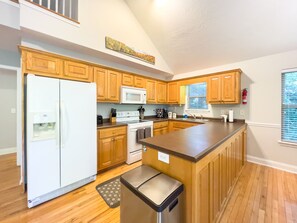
[43, 155]
[78, 131]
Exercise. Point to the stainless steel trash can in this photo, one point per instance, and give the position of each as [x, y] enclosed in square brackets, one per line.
[148, 196]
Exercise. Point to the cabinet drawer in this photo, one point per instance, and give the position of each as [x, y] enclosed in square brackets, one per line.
[158, 125]
[110, 132]
[77, 71]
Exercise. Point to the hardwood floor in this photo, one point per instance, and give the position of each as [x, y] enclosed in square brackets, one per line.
[262, 194]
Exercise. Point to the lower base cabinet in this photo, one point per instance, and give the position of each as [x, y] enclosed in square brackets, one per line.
[111, 148]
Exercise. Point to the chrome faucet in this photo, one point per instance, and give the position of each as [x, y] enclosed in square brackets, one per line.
[201, 117]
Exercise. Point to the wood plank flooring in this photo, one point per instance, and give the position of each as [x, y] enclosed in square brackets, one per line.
[262, 194]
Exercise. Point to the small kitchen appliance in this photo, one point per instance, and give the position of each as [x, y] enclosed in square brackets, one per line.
[159, 113]
[132, 95]
[169, 114]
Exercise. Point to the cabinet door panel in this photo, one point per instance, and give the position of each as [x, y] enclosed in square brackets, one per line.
[224, 175]
[228, 87]
[161, 92]
[77, 71]
[113, 86]
[214, 88]
[128, 80]
[204, 194]
[173, 93]
[151, 91]
[101, 82]
[120, 149]
[41, 64]
[216, 185]
[139, 82]
[105, 153]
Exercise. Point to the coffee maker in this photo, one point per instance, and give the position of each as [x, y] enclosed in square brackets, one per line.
[161, 113]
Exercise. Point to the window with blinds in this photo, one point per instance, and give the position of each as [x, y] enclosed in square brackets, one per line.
[289, 106]
[196, 96]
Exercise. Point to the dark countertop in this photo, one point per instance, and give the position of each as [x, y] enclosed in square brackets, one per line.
[196, 142]
[110, 125]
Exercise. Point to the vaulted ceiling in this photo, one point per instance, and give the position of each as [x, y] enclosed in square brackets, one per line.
[197, 34]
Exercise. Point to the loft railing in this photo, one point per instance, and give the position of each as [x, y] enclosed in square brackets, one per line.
[65, 8]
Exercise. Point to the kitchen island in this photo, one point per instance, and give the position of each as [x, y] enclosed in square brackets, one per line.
[207, 159]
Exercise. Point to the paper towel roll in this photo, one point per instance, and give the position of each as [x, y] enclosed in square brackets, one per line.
[231, 115]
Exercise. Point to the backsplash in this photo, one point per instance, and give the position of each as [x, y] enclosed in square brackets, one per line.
[104, 108]
[240, 111]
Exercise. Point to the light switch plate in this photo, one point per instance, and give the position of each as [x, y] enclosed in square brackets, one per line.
[163, 157]
[12, 110]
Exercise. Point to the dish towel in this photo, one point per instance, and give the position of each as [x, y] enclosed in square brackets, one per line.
[147, 133]
[139, 135]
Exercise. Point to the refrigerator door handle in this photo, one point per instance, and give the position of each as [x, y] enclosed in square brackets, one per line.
[57, 127]
[63, 124]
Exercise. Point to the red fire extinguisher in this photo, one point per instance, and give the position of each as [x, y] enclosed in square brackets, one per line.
[244, 96]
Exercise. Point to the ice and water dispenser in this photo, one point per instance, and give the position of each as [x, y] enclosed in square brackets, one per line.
[44, 125]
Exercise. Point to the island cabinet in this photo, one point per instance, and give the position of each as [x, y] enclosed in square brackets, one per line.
[208, 181]
[112, 147]
[178, 125]
[108, 85]
[160, 128]
[224, 88]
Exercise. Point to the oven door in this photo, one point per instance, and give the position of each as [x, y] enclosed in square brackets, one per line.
[133, 146]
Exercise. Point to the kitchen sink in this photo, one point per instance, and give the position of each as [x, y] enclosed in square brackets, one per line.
[193, 119]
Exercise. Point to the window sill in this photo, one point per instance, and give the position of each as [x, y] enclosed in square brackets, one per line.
[197, 110]
[288, 144]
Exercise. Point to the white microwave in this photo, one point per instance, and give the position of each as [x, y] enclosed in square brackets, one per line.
[132, 95]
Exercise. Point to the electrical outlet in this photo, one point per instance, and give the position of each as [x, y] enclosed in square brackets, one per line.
[242, 112]
[163, 157]
[222, 112]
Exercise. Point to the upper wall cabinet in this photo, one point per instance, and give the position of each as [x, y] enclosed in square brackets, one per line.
[175, 93]
[139, 82]
[151, 91]
[224, 88]
[161, 92]
[77, 71]
[44, 65]
[128, 79]
[108, 85]
[51, 65]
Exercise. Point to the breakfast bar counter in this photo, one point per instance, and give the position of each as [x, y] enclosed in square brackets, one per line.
[207, 159]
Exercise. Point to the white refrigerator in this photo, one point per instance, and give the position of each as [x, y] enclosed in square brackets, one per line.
[61, 141]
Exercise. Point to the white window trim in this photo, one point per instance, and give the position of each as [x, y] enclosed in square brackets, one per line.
[193, 109]
[288, 144]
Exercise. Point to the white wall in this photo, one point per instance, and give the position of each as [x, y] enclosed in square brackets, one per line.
[97, 19]
[8, 120]
[9, 14]
[262, 77]
[104, 108]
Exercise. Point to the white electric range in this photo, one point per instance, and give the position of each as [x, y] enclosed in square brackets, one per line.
[131, 118]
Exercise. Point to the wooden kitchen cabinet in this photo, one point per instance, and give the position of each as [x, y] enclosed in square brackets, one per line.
[224, 88]
[175, 93]
[139, 82]
[128, 80]
[78, 71]
[108, 85]
[151, 91]
[161, 92]
[112, 147]
[36, 63]
[160, 128]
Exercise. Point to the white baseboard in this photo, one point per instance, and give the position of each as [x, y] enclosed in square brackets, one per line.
[7, 151]
[273, 164]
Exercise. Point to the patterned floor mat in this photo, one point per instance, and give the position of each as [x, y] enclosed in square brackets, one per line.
[110, 191]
